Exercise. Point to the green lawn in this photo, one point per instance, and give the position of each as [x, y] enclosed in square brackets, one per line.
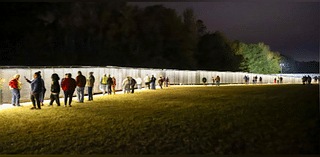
[261, 119]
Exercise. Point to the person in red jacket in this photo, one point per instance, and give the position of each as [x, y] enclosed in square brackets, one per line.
[81, 83]
[68, 86]
[15, 87]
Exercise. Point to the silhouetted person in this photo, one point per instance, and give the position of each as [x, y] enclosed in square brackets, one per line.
[304, 79]
[133, 82]
[153, 82]
[309, 80]
[260, 80]
[55, 89]
[109, 84]
[281, 79]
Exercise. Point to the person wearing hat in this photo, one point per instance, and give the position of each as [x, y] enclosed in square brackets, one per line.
[36, 89]
[90, 83]
[103, 83]
[68, 86]
[81, 83]
[15, 86]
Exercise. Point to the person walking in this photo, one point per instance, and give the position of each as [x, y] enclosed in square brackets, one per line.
[160, 82]
[132, 84]
[217, 79]
[113, 86]
[153, 82]
[109, 84]
[55, 89]
[15, 86]
[68, 86]
[80, 83]
[36, 89]
[147, 81]
[167, 81]
[103, 83]
[126, 85]
[90, 83]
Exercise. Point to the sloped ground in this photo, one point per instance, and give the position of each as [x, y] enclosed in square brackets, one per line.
[261, 119]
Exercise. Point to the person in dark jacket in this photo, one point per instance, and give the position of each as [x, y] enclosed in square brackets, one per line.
[153, 82]
[132, 84]
[81, 83]
[55, 89]
[36, 89]
[109, 84]
[68, 86]
[42, 92]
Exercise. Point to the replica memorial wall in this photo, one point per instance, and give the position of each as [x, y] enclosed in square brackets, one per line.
[176, 77]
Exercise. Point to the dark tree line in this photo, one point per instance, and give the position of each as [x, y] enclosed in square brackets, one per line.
[117, 34]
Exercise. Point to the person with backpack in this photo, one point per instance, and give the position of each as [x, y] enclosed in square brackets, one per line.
[68, 86]
[132, 84]
[15, 86]
[81, 83]
[55, 89]
[36, 89]
[90, 83]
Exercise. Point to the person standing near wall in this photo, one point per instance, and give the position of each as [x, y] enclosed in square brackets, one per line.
[147, 81]
[132, 84]
[153, 82]
[109, 84]
[113, 86]
[213, 79]
[281, 79]
[126, 85]
[15, 86]
[260, 80]
[160, 82]
[217, 80]
[103, 83]
[36, 89]
[90, 83]
[139, 82]
[309, 80]
[167, 81]
[68, 86]
[55, 89]
[245, 79]
[43, 91]
[275, 80]
[81, 83]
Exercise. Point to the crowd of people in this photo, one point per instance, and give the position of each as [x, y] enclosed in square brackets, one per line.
[70, 85]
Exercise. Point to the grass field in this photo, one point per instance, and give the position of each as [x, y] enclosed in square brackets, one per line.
[261, 119]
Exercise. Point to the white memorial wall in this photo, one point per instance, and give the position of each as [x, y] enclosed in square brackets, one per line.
[176, 77]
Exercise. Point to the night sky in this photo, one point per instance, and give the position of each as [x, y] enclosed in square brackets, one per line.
[290, 28]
